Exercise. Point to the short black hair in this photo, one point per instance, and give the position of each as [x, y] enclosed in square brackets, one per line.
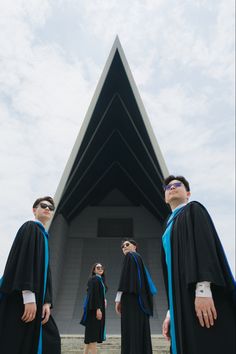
[178, 178]
[130, 241]
[47, 198]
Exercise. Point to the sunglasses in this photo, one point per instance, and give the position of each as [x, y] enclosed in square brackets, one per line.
[99, 267]
[169, 186]
[126, 244]
[45, 206]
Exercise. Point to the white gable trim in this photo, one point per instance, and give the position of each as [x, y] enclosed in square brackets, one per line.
[79, 139]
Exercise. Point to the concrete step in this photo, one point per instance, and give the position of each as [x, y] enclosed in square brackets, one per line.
[74, 344]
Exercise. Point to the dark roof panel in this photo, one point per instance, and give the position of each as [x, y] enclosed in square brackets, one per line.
[115, 153]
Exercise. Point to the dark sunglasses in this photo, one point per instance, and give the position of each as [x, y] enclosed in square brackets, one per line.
[99, 267]
[125, 244]
[175, 184]
[45, 206]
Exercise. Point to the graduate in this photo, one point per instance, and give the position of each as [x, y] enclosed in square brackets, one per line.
[26, 324]
[134, 302]
[200, 287]
[94, 317]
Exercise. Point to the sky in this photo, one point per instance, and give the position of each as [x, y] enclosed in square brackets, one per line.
[181, 54]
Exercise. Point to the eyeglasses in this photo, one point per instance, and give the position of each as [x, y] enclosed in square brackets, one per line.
[45, 206]
[169, 186]
[126, 244]
[99, 267]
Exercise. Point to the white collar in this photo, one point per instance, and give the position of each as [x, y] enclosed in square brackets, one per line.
[179, 206]
[39, 222]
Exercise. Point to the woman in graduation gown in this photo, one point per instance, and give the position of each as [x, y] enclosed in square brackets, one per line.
[22, 328]
[94, 309]
[134, 302]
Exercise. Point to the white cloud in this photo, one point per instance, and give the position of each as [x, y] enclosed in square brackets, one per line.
[52, 54]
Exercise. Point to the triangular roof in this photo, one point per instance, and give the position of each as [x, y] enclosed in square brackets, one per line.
[115, 148]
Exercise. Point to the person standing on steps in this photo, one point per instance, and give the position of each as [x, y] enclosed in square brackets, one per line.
[26, 324]
[94, 318]
[134, 302]
[201, 289]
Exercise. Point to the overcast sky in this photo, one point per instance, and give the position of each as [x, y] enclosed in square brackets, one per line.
[52, 53]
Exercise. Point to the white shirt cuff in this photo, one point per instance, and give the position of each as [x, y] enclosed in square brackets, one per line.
[28, 297]
[203, 289]
[118, 296]
[168, 314]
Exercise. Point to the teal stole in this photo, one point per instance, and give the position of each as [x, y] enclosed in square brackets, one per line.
[151, 285]
[46, 262]
[166, 241]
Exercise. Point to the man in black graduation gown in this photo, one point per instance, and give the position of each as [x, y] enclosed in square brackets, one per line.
[201, 289]
[134, 302]
[26, 325]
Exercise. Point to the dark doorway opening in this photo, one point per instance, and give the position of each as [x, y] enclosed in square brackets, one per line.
[115, 227]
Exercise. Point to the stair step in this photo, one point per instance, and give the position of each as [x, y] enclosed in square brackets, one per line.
[113, 351]
[74, 344]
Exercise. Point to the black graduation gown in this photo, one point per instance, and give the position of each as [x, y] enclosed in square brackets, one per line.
[197, 255]
[94, 329]
[136, 306]
[25, 271]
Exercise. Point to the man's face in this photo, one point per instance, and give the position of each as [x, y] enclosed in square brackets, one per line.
[176, 193]
[44, 211]
[128, 247]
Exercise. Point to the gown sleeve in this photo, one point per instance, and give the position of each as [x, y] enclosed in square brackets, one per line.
[128, 278]
[96, 298]
[204, 255]
[25, 266]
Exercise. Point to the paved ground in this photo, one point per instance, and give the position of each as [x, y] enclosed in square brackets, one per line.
[73, 344]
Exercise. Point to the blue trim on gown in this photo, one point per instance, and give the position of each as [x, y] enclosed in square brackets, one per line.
[46, 262]
[152, 287]
[166, 241]
[85, 313]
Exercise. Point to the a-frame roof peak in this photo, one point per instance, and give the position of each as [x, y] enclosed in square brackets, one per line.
[116, 104]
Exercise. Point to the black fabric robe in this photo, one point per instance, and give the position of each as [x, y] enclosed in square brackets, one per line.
[136, 307]
[94, 329]
[25, 271]
[197, 255]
